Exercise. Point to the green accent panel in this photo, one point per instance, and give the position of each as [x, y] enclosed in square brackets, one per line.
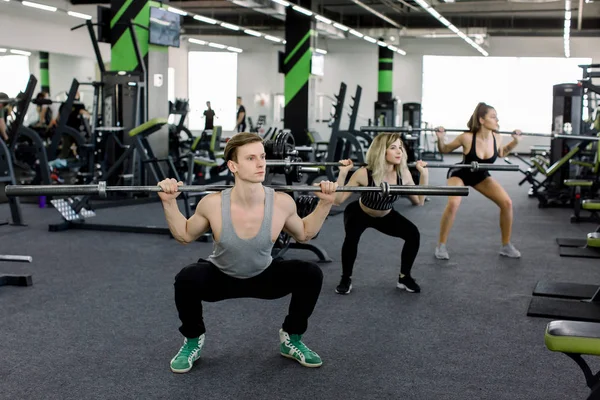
[573, 344]
[297, 77]
[593, 240]
[44, 77]
[122, 53]
[591, 205]
[386, 60]
[158, 49]
[385, 81]
[154, 123]
[578, 182]
[300, 43]
[556, 166]
[120, 12]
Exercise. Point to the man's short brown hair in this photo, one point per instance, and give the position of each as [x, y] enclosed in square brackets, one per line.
[238, 140]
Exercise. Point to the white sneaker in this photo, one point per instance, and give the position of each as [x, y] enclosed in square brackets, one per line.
[441, 253]
[510, 251]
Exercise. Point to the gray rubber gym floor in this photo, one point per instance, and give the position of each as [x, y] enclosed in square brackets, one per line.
[99, 321]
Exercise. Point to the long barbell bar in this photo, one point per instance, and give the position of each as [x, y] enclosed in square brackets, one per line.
[474, 166]
[407, 129]
[101, 189]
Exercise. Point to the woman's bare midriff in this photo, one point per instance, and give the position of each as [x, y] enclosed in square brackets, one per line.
[373, 213]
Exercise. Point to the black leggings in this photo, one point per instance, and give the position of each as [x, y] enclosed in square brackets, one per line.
[203, 281]
[393, 224]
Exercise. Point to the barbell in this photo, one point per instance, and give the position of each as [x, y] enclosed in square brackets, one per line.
[474, 166]
[101, 189]
[409, 129]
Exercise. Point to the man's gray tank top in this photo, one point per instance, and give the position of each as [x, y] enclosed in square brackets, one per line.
[243, 258]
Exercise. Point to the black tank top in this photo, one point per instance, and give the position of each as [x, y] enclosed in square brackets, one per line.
[472, 154]
[374, 200]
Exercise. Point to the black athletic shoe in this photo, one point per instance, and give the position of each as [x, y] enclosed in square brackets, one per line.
[345, 286]
[408, 283]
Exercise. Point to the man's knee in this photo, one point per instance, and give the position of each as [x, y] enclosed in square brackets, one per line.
[312, 272]
[189, 274]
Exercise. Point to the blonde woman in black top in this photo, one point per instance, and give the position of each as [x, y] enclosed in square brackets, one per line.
[386, 162]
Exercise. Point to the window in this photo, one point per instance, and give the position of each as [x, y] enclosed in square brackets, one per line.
[520, 89]
[213, 77]
[15, 72]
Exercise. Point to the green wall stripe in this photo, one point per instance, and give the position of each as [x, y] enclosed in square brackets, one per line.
[122, 52]
[124, 7]
[385, 81]
[158, 49]
[44, 77]
[386, 60]
[300, 43]
[297, 77]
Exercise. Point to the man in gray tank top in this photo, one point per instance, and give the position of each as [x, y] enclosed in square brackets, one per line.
[245, 222]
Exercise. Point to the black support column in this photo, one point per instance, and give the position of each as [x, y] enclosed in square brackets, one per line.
[385, 106]
[299, 36]
[385, 80]
[44, 72]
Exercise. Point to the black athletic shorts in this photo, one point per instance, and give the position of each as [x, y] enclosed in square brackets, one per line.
[469, 178]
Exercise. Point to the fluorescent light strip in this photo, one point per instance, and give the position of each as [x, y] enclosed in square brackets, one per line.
[567, 31]
[39, 6]
[177, 11]
[230, 26]
[252, 33]
[341, 27]
[272, 38]
[323, 19]
[215, 45]
[197, 41]
[425, 6]
[321, 51]
[21, 52]
[79, 15]
[302, 10]
[2, 50]
[337, 25]
[205, 19]
[369, 39]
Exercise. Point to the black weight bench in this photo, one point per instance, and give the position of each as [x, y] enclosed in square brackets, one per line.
[576, 339]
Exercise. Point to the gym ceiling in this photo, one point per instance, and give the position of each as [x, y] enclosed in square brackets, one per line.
[402, 17]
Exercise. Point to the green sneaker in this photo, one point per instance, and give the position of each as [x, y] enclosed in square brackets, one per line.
[292, 347]
[187, 355]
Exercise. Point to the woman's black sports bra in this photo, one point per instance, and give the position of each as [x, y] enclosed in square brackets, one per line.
[472, 154]
[374, 200]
